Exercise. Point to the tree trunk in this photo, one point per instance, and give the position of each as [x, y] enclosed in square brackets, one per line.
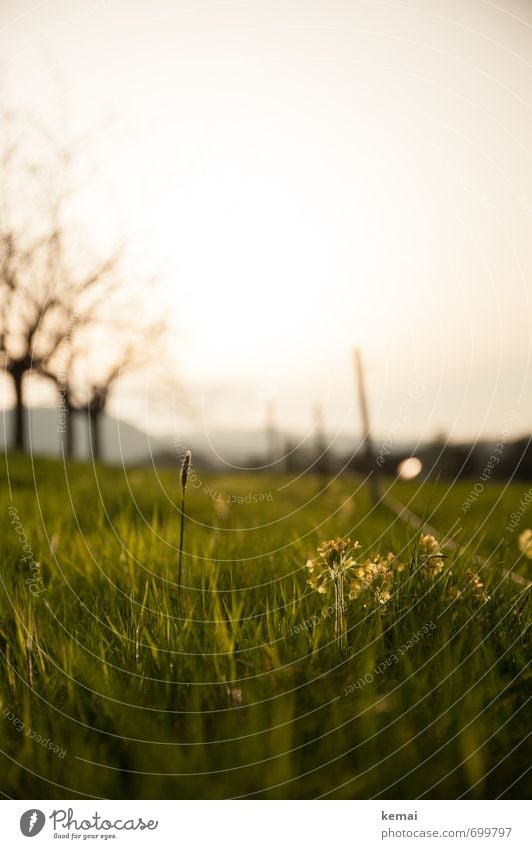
[19, 414]
[69, 432]
[66, 422]
[94, 433]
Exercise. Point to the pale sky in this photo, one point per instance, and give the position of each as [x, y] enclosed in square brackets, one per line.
[310, 176]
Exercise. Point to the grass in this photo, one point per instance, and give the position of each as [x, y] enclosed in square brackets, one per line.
[246, 694]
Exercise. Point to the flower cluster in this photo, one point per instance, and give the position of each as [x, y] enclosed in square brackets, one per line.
[430, 555]
[334, 562]
[525, 543]
[336, 566]
[476, 588]
[374, 575]
[338, 569]
[333, 567]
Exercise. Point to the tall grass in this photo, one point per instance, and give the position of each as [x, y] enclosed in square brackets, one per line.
[185, 472]
[245, 693]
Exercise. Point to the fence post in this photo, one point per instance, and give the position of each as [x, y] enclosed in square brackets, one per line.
[367, 442]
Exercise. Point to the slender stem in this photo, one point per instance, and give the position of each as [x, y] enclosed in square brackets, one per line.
[342, 618]
[337, 609]
[339, 621]
[181, 537]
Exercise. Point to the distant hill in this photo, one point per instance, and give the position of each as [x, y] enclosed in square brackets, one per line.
[121, 442]
[124, 443]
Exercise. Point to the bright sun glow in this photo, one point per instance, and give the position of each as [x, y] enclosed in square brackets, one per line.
[409, 468]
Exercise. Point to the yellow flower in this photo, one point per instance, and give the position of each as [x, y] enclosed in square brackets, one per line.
[429, 549]
[394, 562]
[317, 583]
[355, 590]
[476, 587]
[525, 543]
[428, 544]
[335, 566]
[435, 565]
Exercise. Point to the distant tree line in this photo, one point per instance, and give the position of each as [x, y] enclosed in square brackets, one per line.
[483, 461]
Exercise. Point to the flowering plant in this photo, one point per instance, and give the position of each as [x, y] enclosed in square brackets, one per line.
[336, 566]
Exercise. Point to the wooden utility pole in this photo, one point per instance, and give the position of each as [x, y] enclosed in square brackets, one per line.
[321, 454]
[272, 440]
[367, 443]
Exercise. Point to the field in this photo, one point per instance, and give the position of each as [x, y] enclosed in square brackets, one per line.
[116, 685]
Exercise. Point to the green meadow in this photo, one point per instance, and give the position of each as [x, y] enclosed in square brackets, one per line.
[117, 683]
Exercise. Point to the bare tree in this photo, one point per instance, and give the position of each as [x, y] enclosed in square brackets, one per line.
[58, 304]
[100, 353]
[86, 301]
[43, 289]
